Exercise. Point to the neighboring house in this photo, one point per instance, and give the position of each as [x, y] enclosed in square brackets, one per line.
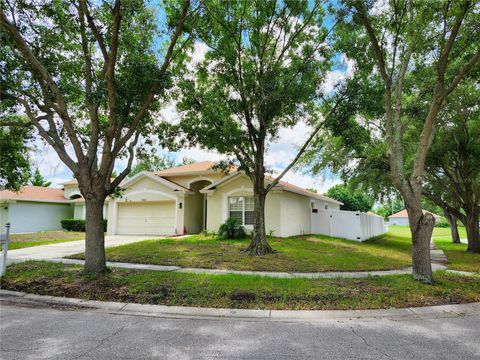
[401, 217]
[195, 197]
[34, 208]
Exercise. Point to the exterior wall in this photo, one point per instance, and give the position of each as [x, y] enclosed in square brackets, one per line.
[295, 214]
[186, 180]
[398, 221]
[79, 211]
[320, 205]
[146, 190]
[36, 216]
[194, 208]
[216, 202]
[217, 205]
[193, 213]
[3, 217]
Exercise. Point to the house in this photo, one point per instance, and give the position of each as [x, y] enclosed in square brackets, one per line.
[187, 200]
[34, 208]
[401, 217]
[191, 198]
[71, 192]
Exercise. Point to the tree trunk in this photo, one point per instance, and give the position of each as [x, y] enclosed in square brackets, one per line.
[452, 221]
[473, 235]
[259, 244]
[95, 238]
[421, 227]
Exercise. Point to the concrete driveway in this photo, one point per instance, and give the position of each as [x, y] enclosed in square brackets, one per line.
[55, 251]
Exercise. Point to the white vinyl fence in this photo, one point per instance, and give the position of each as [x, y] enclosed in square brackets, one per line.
[352, 225]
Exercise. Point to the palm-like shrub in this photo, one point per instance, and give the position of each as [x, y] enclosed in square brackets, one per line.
[232, 229]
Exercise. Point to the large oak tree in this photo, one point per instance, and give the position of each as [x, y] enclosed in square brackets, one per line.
[420, 51]
[262, 71]
[88, 77]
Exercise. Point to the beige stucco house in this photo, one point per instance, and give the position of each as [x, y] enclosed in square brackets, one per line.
[187, 200]
[191, 198]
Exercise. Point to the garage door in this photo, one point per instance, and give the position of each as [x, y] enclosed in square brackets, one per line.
[146, 218]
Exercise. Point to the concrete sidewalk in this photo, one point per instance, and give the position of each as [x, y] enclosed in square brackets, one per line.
[57, 252]
[282, 275]
[60, 250]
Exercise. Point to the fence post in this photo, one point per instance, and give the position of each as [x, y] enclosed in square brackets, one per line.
[4, 239]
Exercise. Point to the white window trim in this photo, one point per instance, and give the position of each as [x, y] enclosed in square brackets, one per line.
[244, 203]
[225, 209]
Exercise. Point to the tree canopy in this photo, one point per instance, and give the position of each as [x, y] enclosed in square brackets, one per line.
[38, 180]
[263, 70]
[15, 145]
[353, 200]
[89, 77]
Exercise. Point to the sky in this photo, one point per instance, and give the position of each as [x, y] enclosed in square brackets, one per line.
[278, 156]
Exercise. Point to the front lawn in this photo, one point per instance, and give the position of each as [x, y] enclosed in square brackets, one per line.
[19, 241]
[313, 253]
[458, 257]
[239, 291]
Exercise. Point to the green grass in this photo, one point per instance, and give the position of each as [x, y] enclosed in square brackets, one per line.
[19, 241]
[237, 291]
[295, 254]
[458, 257]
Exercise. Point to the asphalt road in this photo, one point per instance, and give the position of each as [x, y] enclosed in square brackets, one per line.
[40, 332]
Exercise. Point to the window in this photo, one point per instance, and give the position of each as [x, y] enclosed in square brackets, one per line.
[326, 206]
[241, 208]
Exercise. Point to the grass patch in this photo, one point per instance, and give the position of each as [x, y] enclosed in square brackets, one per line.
[296, 254]
[237, 291]
[457, 255]
[19, 241]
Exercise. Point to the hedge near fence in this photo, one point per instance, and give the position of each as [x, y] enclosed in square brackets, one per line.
[78, 225]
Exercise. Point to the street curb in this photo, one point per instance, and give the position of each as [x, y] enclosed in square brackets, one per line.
[163, 311]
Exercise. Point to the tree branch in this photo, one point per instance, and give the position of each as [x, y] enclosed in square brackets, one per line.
[303, 148]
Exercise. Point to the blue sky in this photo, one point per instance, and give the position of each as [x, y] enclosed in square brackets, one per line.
[277, 158]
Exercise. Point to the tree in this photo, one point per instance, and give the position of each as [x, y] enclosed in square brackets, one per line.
[38, 180]
[353, 200]
[14, 155]
[152, 163]
[263, 69]
[88, 77]
[389, 207]
[453, 165]
[421, 51]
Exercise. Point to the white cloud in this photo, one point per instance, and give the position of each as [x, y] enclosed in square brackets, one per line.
[335, 77]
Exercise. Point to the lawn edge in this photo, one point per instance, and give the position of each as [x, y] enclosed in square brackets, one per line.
[164, 311]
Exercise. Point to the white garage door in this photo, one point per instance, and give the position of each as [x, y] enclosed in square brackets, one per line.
[146, 218]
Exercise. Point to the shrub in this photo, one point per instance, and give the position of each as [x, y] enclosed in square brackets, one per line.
[78, 224]
[231, 229]
[442, 223]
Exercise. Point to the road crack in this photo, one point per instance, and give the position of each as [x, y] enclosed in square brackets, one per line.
[368, 344]
[104, 340]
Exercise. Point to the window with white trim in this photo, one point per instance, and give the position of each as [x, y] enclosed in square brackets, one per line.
[241, 208]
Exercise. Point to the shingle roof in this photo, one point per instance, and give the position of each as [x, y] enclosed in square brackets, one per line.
[70, 182]
[201, 166]
[34, 193]
[299, 189]
[404, 214]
